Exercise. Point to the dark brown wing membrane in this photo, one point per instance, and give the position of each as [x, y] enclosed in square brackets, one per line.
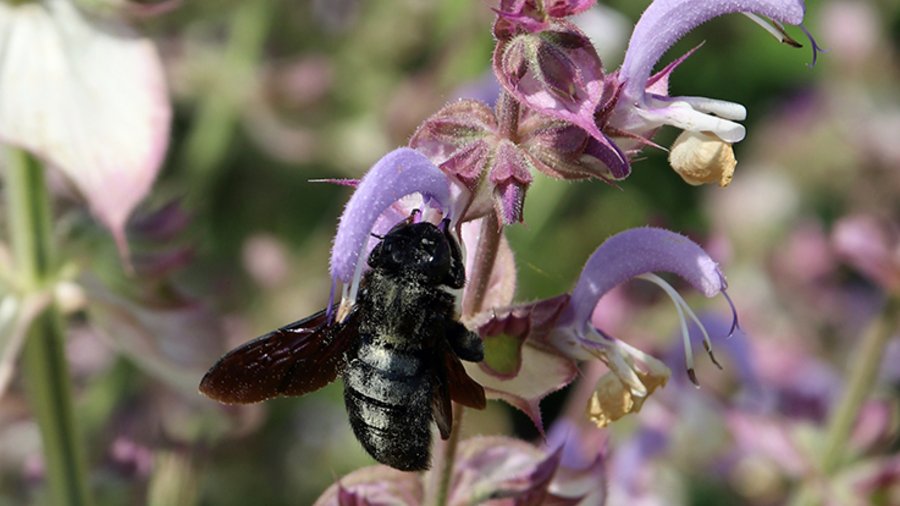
[463, 389]
[293, 360]
[441, 408]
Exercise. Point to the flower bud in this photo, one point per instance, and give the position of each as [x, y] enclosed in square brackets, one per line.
[531, 16]
[556, 72]
[511, 177]
[519, 16]
[566, 151]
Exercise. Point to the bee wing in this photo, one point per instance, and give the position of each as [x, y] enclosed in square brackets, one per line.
[453, 383]
[441, 408]
[293, 360]
[463, 389]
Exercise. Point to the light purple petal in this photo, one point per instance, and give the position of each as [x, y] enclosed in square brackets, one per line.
[771, 439]
[639, 251]
[581, 443]
[871, 247]
[503, 469]
[401, 172]
[636, 454]
[88, 96]
[666, 21]
[566, 8]
[582, 474]
[374, 485]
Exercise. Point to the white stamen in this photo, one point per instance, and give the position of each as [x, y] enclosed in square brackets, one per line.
[634, 352]
[357, 273]
[774, 28]
[721, 108]
[680, 306]
[678, 299]
[683, 115]
[344, 306]
[618, 361]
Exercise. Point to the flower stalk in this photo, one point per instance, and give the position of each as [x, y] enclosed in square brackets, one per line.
[444, 459]
[861, 380]
[43, 359]
[488, 246]
[862, 376]
[508, 116]
[479, 279]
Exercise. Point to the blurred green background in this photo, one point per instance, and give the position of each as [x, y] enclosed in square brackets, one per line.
[272, 94]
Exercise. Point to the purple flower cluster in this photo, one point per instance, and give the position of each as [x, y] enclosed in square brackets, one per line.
[561, 114]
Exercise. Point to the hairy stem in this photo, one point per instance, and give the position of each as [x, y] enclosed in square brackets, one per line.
[44, 363]
[507, 111]
[486, 256]
[478, 282]
[862, 375]
[444, 459]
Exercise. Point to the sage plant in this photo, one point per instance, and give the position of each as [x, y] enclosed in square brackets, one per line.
[559, 112]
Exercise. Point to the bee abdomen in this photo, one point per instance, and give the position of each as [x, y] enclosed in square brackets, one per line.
[389, 404]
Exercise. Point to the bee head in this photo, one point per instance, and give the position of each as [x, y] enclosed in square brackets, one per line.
[419, 250]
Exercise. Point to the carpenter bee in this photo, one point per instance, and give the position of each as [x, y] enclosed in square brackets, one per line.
[398, 350]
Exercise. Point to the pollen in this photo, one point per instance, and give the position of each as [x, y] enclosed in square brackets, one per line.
[613, 399]
[702, 158]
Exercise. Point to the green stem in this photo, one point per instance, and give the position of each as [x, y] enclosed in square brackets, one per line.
[174, 481]
[43, 359]
[444, 458]
[862, 378]
[210, 136]
[862, 375]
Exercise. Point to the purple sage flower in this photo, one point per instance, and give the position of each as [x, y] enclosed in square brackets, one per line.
[398, 174]
[550, 67]
[405, 184]
[645, 105]
[872, 247]
[564, 325]
[491, 470]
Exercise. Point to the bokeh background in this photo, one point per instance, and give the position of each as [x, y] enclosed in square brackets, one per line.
[234, 241]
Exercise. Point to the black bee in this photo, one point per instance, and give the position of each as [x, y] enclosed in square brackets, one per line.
[398, 350]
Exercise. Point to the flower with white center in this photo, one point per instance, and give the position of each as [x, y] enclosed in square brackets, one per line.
[552, 69]
[564, 325]
[644, 104]
[400, 173]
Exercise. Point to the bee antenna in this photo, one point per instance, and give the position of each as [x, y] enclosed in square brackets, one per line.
[412, 218]
[379, 237]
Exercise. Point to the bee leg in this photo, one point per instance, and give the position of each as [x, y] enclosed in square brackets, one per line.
[456, 277]
[465, 343]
